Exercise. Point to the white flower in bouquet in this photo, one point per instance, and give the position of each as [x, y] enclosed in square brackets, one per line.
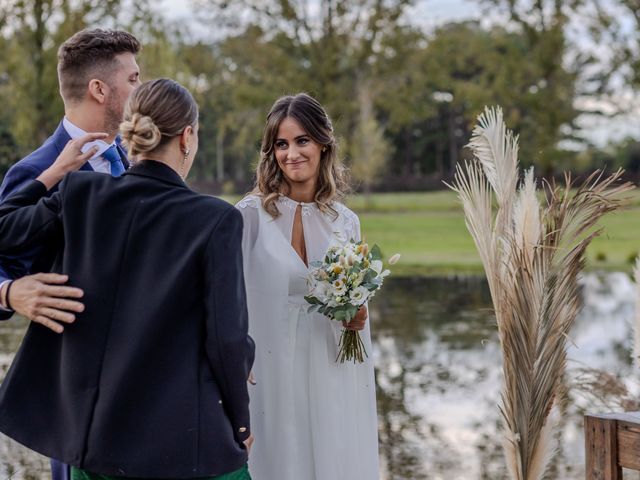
[320, 291]
[359, 296]
[335, 269]
[377, 267]
[339, 287]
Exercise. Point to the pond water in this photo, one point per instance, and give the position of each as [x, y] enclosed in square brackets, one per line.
[438, 378]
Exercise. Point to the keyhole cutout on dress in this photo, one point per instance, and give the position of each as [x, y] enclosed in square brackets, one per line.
[297, 235]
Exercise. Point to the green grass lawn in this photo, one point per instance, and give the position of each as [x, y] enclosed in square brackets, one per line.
[428, 230]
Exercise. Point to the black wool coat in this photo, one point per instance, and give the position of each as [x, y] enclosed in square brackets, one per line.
[151, 379]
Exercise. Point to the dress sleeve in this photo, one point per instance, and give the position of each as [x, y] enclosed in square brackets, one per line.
[248, 207]
[357, 234]
[350, 222]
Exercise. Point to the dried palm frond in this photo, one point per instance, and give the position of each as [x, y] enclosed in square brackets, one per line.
[526, 215]
[497, 150]
[532, 255]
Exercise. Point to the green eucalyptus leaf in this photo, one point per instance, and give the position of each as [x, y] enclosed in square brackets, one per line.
[351, 312]
[312, 300]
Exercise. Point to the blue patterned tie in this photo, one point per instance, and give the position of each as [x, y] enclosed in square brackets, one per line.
[113, 156]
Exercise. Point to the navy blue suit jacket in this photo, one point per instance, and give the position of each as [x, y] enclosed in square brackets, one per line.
[24, 171]
[151, 379]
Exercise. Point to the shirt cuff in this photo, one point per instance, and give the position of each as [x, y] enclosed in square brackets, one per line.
[2, 308]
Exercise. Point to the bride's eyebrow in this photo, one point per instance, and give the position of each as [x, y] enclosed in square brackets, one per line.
[304, 135]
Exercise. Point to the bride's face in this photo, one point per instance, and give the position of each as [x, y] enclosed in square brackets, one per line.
[296, 153]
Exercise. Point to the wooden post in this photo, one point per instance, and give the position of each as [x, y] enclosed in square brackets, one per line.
[612, 441]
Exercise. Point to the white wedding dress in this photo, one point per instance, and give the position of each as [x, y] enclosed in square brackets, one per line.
[312, 418]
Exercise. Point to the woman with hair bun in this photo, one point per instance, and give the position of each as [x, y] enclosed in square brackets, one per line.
[313, 418]
[150, 380]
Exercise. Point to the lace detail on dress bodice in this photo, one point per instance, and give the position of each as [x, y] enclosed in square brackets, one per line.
[307, 208]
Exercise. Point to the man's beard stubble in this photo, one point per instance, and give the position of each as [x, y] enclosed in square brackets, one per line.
[113, 113]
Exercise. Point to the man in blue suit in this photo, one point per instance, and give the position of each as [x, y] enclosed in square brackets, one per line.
[97, 71]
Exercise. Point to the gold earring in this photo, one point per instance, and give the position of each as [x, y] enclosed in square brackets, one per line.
[184, 162]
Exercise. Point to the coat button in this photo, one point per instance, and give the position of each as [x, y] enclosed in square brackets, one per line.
[242, 429]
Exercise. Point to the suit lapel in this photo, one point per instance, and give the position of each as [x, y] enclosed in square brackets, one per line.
[60, 137]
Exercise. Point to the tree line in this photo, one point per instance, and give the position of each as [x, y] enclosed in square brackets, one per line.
[403, 98]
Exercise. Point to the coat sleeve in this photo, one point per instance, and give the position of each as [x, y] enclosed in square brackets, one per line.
[16, 179]
[27, 219]
[12, 267]
[229, 347]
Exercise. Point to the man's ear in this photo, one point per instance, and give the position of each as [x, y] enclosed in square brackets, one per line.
[98, 90]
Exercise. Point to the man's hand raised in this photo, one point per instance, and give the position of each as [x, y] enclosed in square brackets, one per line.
[44, 298]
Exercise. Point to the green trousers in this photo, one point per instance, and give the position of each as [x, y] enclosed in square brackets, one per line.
[77, 474]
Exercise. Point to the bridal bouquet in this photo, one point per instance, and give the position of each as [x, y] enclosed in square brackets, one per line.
[340, 284]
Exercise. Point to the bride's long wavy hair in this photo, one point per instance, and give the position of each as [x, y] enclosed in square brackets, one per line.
[332, 178]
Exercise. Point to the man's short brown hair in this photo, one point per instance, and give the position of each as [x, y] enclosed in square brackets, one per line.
[91, 54]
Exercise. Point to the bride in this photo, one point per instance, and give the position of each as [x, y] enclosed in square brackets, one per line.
[312, 418]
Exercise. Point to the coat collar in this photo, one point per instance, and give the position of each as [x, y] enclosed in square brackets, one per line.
[123, 152]
[156, 170]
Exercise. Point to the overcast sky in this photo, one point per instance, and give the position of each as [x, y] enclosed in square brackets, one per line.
[426, 12]
[430, 14]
